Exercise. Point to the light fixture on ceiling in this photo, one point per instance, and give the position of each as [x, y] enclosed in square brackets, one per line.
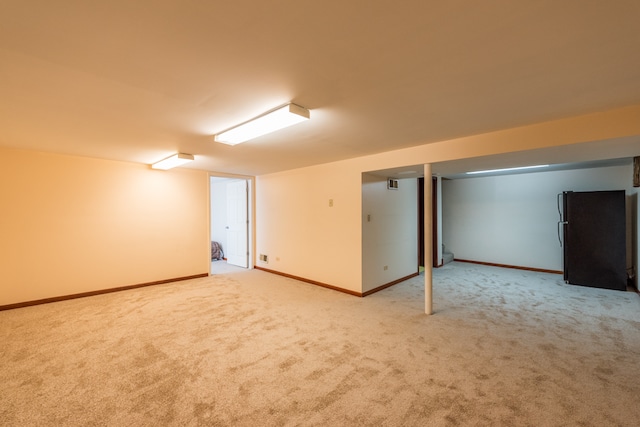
[271, 121]
[508, 169]
[173, 161]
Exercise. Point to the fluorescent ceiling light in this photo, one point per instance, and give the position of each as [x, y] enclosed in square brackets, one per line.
[173, 161]
[509, 169]
[269, 122]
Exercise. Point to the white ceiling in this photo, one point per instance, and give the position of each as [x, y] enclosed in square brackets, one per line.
[139, 80]
[593, 154]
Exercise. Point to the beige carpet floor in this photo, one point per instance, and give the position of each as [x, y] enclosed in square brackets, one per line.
[504, 347]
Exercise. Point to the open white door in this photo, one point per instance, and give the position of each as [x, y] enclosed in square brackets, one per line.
[237, 228]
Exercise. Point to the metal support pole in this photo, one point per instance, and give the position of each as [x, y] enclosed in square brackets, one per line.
[428, 242]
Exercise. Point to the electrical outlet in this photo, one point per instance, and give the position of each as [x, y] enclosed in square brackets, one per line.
[330, 203]
[264, 258]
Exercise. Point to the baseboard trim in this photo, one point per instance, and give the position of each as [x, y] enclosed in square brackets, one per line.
[517, 267]
[313, 282]
[395, 282]
[98, 292]
[336, 288]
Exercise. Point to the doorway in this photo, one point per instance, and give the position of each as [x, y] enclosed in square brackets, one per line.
[230, 223]
[436, 233]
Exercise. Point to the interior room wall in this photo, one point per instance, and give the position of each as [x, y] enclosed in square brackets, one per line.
[389, 231]
[305, 237]
[513, 219]
[72, 225]
[308, 224]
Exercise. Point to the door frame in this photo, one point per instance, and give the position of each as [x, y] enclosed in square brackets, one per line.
[436, 260]
[251, 215]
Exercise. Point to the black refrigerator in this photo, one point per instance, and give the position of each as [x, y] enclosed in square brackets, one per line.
[594, 246]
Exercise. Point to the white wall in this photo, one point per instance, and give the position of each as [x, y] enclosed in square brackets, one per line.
[389, 231]
[72, 224]
[305, 237]
[513, 219]
[302, 234]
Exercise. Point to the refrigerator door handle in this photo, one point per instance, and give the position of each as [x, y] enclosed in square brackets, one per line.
[560, 224]
[558, 202]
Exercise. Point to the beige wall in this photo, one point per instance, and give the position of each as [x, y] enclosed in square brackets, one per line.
[389, 231]
[295, 224]
[71, 225]
[304, 236]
